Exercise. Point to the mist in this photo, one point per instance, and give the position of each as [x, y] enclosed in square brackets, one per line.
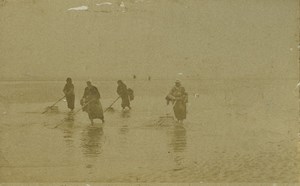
[42, 40]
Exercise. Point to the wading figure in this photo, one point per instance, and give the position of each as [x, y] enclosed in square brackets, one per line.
[69, 93]
[123, 93]
[179, 98]
[91, 98]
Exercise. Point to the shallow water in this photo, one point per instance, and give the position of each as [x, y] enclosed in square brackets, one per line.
[236, 131]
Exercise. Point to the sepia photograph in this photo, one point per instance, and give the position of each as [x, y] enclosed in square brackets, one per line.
[149, 92]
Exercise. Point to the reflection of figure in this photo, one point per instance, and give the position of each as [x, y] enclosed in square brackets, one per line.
[69, 93]
[124, 129]
[91, 97]
[92, 141]
[123, 137]
[178, 96]
[125, 114]
[68, 137]
[70, 118]
[178, 144]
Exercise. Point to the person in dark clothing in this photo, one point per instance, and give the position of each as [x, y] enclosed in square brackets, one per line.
[123, 93]
[179, 98]
[69, 93]
[91, 103]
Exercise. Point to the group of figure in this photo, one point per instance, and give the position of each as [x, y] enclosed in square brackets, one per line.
[90, 100]
[91, 104]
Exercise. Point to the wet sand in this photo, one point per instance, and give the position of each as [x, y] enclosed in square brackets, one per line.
[242, 55]
[234, 133]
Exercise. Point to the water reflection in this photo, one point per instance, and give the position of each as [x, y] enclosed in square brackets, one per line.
[124, 130]
[68, 137]
[70, 117]
[69, 131]
[125, 113]
[178, 142]
[123, 137]
[92, 141]
[178, 145]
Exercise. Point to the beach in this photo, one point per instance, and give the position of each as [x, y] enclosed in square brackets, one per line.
[236, 131]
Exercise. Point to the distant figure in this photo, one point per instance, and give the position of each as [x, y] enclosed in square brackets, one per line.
[149, 78]
[134, 76]
[69, 93]
[123, 93]
[179, 98]
[91, 102]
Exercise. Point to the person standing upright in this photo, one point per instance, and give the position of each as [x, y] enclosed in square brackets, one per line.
[179, 98]
[91, 103]
[69, 93]
[123, 93]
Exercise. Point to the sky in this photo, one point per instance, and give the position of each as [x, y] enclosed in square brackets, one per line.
[41, 39]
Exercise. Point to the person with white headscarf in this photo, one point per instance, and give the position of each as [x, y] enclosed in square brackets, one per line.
[179, 98]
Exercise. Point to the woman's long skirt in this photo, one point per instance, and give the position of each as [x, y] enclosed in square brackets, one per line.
[125, 101]
[70, 100]
[180, 110]
[95, 111]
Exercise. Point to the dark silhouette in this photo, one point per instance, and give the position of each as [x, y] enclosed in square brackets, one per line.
[91, 98]
[123, 93]
[179, 98]
[69, 93]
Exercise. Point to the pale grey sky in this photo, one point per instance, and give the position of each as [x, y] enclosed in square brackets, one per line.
[200, 38]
